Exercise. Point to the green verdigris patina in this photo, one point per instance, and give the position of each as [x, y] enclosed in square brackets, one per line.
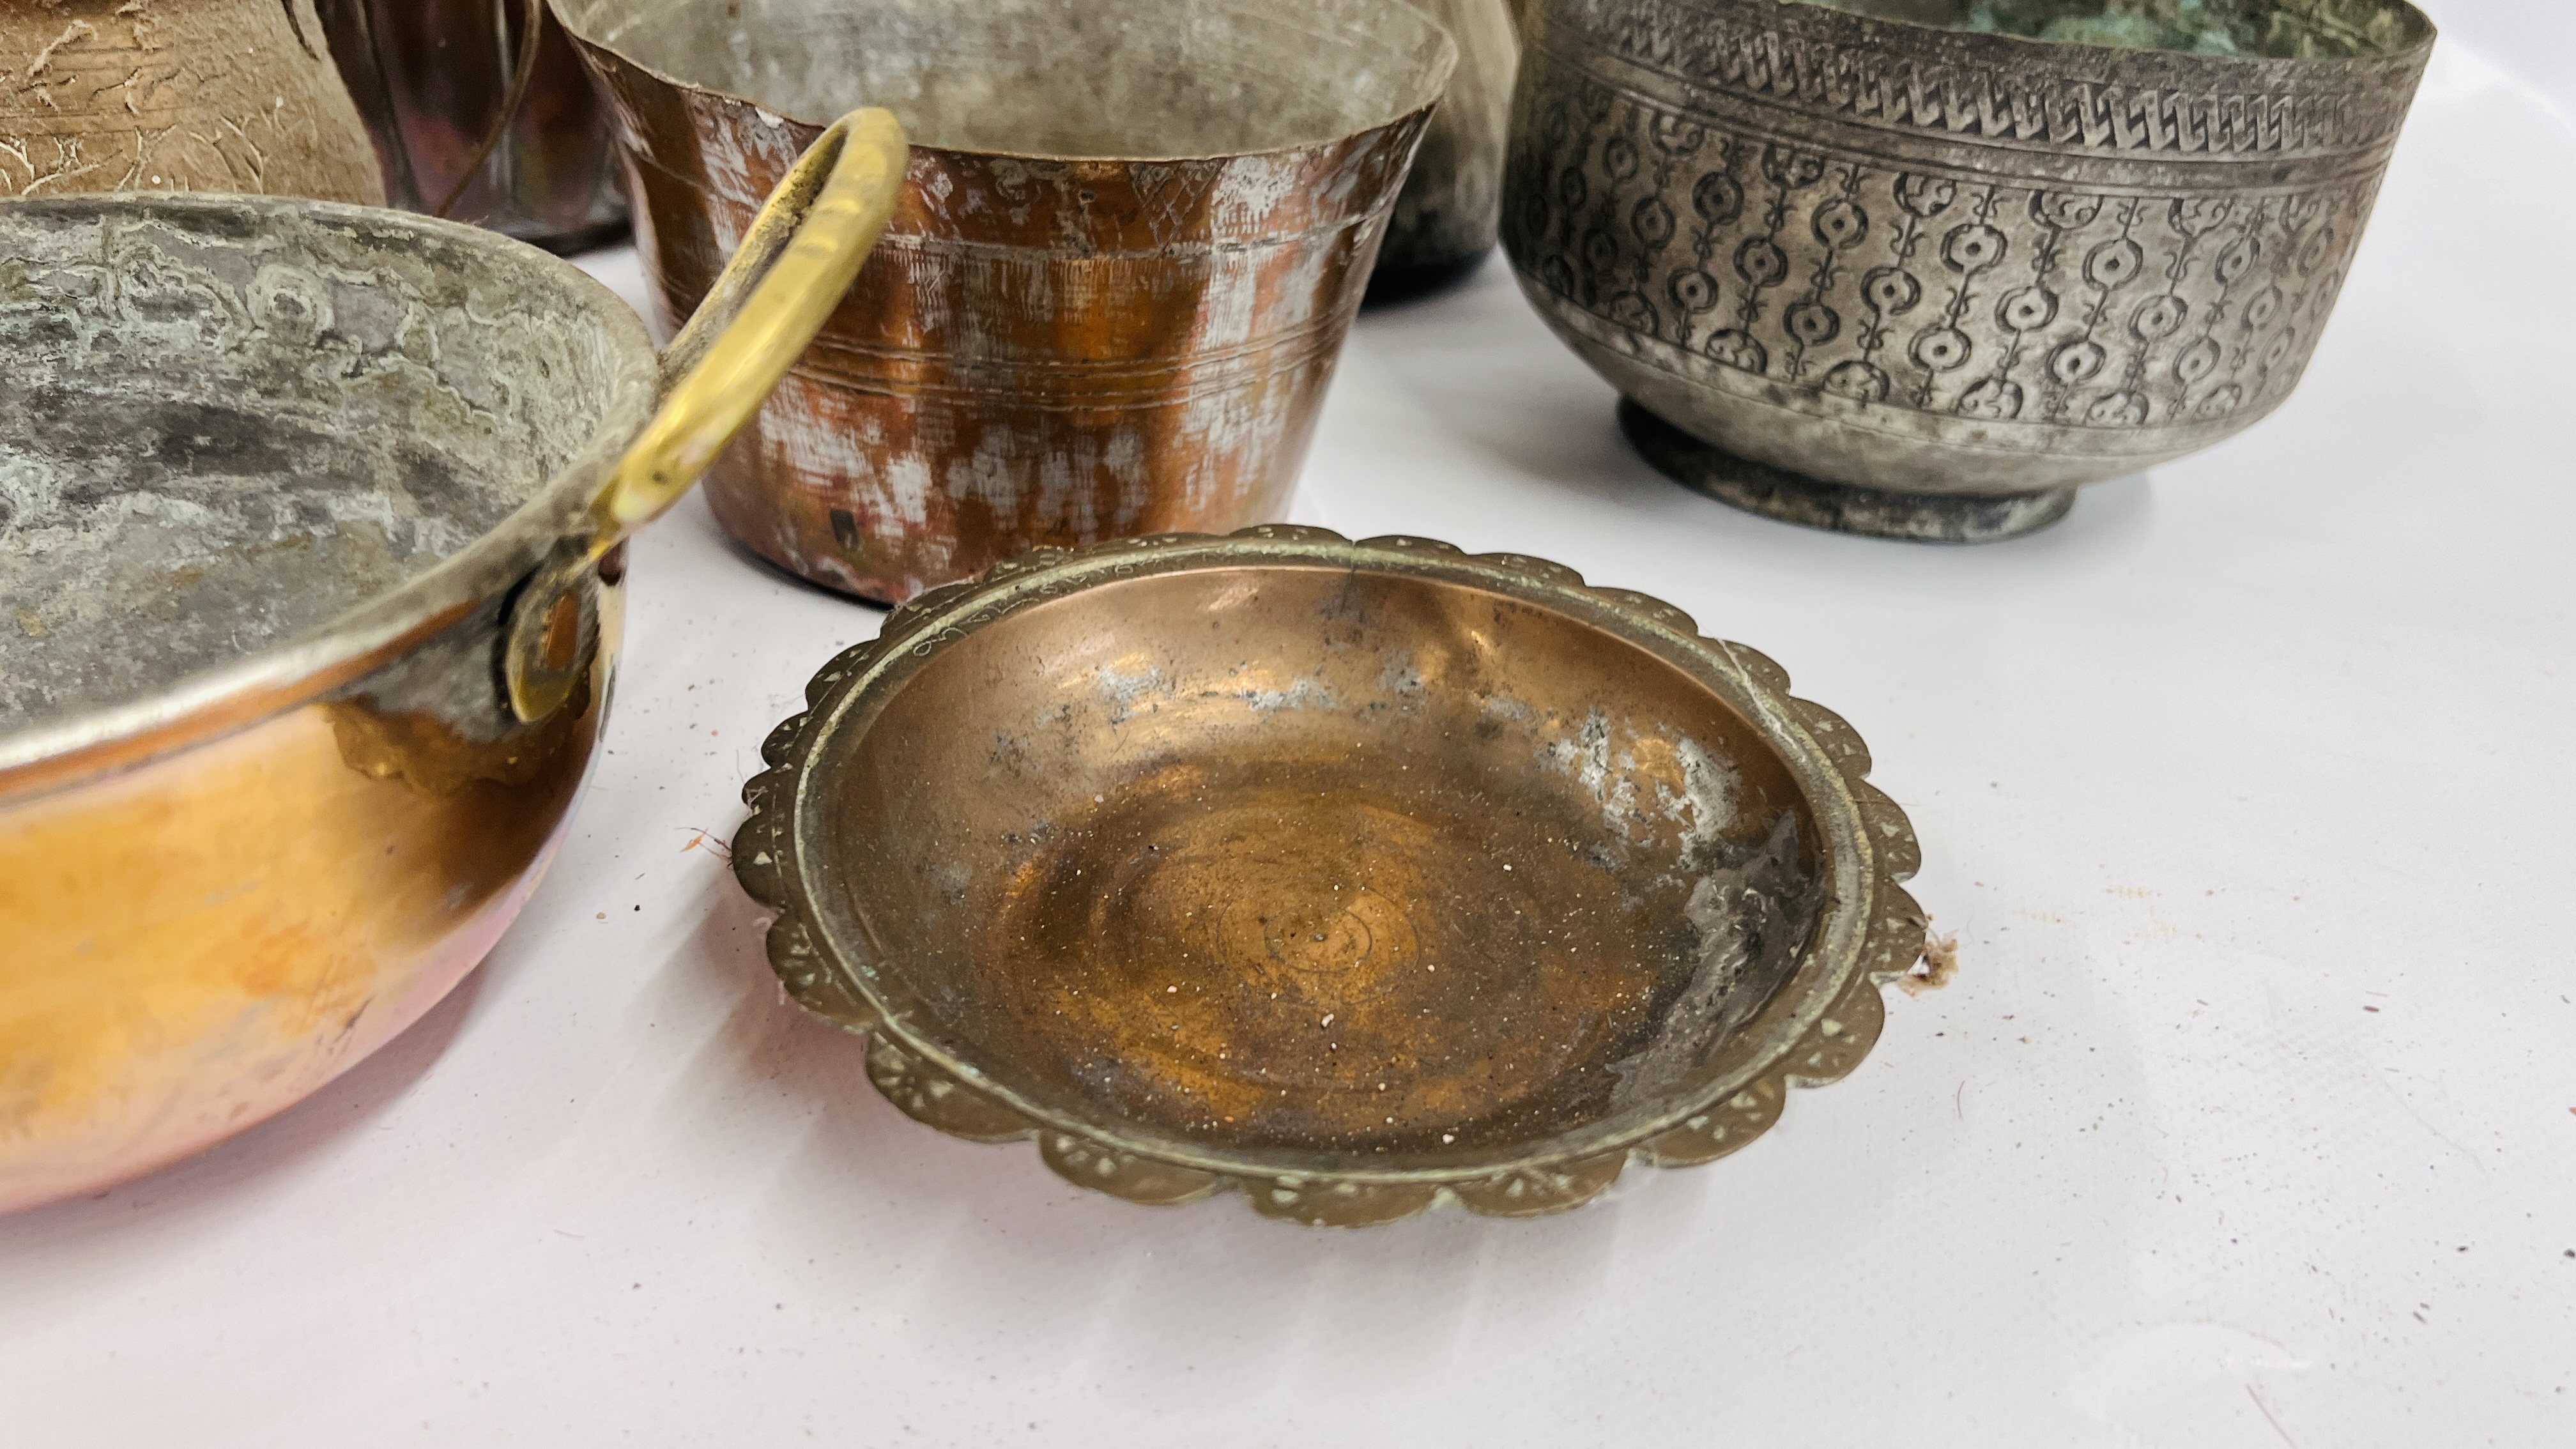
[2285, 29]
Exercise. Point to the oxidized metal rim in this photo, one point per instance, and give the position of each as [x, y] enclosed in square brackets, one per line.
[1816, 1030]
[272, 680]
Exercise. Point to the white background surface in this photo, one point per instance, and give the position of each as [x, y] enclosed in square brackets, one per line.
[2250, 1120]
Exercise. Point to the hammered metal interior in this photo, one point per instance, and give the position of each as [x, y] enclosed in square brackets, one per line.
[1148, 78]
[1321, 862]
[223, 427]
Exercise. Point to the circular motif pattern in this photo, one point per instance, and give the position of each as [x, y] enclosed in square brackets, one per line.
[1889, 292]
[2028, 309]
[1973, 248]
[1943, 349]
[1812, 323]
[2164, 286]
[2197, 362]
[1840, 224]
[2159, 317]
[2114, 264]
[1760, 262]
[1717, 198]
[1653, 222]
[1600, 253]
[1555, 126]
[1631, 309]
[1342, 945]
[2237, 260]
[2313, 252]
[290, 304]
[1619, 158]
[2077, 362]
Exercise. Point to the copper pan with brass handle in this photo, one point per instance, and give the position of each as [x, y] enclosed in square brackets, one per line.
[311, 574]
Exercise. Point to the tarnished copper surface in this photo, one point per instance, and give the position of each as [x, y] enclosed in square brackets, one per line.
[274, 772]
[1348, 874]
[1056, 343]
[199, 943]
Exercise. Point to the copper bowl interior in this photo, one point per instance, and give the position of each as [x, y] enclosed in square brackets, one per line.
[1293, 863]
[1057, 78]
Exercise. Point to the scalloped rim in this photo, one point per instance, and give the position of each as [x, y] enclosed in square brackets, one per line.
[1719, 1120]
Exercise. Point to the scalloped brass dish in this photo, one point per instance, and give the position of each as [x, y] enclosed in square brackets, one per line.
[1353, 875]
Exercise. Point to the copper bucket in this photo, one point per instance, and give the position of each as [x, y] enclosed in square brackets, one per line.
[1132, 242]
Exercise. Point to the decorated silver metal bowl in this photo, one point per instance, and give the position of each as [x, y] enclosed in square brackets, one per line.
[1921, 268]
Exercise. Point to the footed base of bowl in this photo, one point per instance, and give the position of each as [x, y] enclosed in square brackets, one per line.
[1406, 282]
[1842, 507]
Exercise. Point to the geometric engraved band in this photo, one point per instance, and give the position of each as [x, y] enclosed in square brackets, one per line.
[1984, 87]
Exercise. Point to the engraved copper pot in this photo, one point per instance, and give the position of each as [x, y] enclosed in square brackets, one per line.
[1133, 241]
[1356, 877]
[309, 602]
[433, 78]
[1902, 279]
[176, 95]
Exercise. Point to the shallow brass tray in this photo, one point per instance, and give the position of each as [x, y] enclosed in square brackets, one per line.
[1354, 875]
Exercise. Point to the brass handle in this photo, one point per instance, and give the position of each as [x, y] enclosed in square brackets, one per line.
[790, 273]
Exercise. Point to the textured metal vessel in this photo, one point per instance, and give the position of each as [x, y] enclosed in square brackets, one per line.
[1354, 876]
[1921, 261]
[176, 95]
[309, 617]
[1450, 212]
[1132, 245]
[433, 78]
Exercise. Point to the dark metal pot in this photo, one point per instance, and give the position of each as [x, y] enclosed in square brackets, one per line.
[434, 77]
[1447, 218]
